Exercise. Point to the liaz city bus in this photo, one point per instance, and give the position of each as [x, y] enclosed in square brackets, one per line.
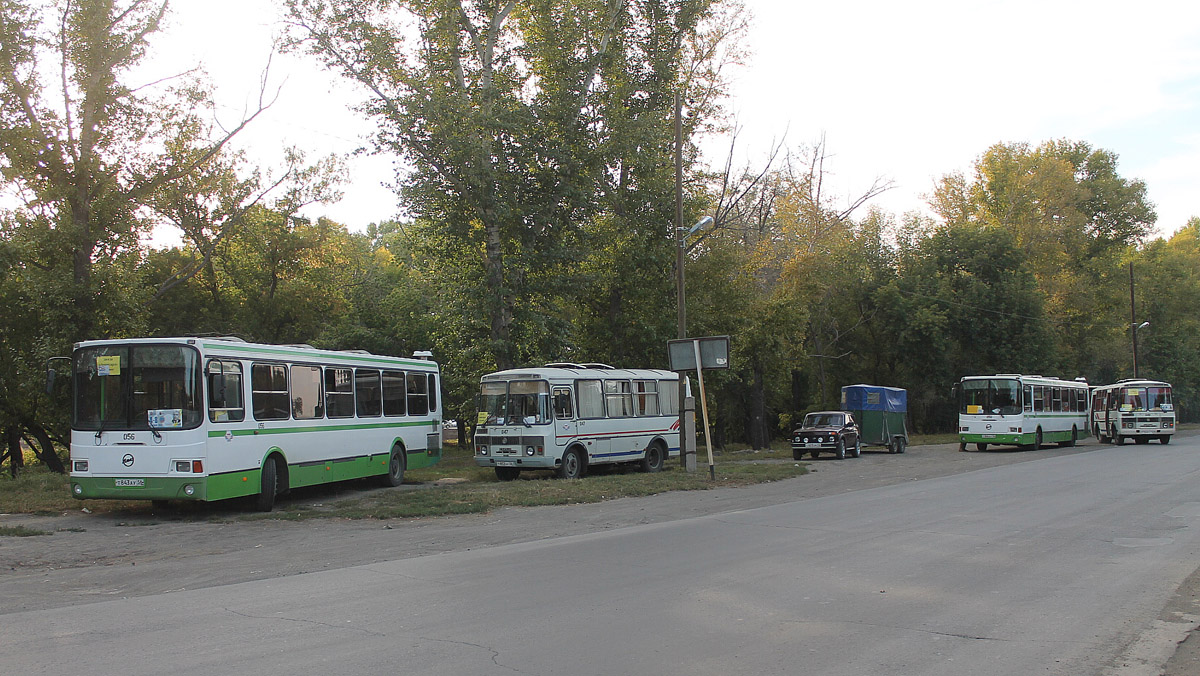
[1133, 409]
[1019, 410]
[567, 417]
[215, 418]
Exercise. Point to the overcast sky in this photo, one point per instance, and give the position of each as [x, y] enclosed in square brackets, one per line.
[902, 91]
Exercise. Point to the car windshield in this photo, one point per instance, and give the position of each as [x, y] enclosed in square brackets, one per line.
[824, 420]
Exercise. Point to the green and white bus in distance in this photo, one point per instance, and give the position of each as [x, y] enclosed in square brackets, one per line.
[216, 418]
[1133, 409]
[1025, 411]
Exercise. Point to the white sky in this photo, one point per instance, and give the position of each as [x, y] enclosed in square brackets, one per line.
[902, 91]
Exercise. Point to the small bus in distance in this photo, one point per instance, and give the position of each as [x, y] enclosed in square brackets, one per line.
[568, 417]
[1133, 409]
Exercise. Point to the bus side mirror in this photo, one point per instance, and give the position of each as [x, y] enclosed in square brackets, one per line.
[51, 374]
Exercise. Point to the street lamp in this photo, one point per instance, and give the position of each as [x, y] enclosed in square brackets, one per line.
[681, 235]
[1136, 328]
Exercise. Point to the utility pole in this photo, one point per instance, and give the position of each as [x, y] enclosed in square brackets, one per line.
[1133, 325]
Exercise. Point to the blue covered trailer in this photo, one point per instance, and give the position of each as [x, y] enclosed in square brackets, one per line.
[881, 414]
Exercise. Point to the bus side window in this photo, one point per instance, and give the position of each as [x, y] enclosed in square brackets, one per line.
[367, 396]
[307, 397]
[418, 395]
[395, 397]
[589, 396]
[1028, 403]
[339, 392]
[433, 392]
[225, 391]
[269, 390]
[563, 410]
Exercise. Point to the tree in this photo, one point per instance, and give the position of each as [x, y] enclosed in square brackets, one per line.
[85, 152]
[520, 122]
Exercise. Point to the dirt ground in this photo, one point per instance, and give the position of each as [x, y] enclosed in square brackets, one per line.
[91, 557]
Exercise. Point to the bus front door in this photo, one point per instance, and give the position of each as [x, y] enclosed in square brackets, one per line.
[566, 427]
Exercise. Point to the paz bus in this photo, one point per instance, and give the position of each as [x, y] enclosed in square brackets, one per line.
[1025, 411]
[215, 418]
[567, 417]
[1133, 409]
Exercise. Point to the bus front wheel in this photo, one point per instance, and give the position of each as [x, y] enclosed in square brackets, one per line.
[572, 466]
[268, 487]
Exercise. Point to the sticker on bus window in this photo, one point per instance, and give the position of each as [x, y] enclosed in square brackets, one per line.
[973, 409]
[482, 418]
[108, 365]
[165, 418]
[1126, 408]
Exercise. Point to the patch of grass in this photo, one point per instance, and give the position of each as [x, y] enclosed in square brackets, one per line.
[478, 496]
[21, 531]
[37, 490]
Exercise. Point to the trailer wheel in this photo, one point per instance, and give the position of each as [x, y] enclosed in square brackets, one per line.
[900, 444]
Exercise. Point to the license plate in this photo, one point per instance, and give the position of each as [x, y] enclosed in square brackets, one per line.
[989, 436]
[812, 445]
[131, 482]
[506, 463]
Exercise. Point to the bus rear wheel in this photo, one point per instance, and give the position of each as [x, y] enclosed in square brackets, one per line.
[654, 458]
[395, 473]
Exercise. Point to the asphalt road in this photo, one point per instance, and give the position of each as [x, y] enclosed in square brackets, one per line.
[1060, 562]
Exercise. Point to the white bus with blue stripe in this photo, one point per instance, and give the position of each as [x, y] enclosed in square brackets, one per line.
[568, 417]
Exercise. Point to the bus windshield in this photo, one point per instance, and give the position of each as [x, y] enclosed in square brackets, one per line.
[517, 402]
[994, 397]
[1145, 399]
[136, 387]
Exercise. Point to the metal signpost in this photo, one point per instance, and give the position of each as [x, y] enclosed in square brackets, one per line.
[698, 354]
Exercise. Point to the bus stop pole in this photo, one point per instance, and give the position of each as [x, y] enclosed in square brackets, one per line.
[712, 471]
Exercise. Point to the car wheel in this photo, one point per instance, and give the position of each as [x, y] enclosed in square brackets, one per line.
[857, 448]
[841, 449]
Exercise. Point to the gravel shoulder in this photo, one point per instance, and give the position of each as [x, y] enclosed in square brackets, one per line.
[95, 557]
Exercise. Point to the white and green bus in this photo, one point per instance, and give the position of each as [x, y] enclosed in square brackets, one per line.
[1133, 409]
[1020, 410]
[216, 418]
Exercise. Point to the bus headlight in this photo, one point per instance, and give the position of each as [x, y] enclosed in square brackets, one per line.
[483, 450]
[529, 450]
